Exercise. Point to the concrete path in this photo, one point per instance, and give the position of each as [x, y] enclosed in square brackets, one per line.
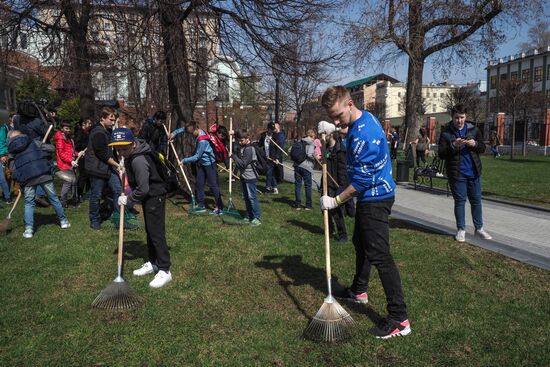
[520, 233]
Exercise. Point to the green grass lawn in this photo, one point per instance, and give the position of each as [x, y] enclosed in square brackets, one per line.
[524, 179]
[242, 296]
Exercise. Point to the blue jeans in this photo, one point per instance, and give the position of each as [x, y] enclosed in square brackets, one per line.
[208, 174]
[250, 199]
[97, 185]
[299, 175]
[4, 184]
[30, 192]
[467, 188]
[270, 180]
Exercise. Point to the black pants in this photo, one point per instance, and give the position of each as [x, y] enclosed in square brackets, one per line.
[279, 172]
[420, 155]
[336, 217]
[83, 182]
[372, 247]
[154, 210]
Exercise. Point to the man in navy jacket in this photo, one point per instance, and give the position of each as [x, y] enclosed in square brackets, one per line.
[370, 178]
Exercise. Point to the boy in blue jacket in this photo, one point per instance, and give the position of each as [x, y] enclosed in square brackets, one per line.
[370, 178]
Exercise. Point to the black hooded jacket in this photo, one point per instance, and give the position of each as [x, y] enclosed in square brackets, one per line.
[451, 155]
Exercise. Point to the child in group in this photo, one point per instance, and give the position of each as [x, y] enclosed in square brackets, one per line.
[65, 154]
[335, 155]
[149, 189]
[205, 159]
[244, 161]
[33, 169]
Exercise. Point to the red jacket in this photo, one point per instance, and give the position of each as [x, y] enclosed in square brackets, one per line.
[65, 151]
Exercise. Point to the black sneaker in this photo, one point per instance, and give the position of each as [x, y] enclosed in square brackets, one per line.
[347, 294]
[388, 328]
[95, 226]
[8, 201]
[342, 238]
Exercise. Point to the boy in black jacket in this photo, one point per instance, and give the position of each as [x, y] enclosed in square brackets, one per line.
[149, 189]
[335, 155]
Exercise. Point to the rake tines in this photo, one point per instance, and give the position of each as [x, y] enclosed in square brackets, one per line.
[117, 296]
[331, 323]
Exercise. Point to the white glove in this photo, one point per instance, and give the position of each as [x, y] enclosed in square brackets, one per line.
[74, 163]
[122, 200]
[326, 127]
[327, 202]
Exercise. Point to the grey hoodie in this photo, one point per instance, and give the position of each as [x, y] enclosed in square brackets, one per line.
[142, 177]
[244, 162]
[309, 162]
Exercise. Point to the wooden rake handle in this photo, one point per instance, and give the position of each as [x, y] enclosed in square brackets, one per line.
[327, 232]
[230, 153]
[178, 159]
[120, 236]
[228, 171]
[328, 174]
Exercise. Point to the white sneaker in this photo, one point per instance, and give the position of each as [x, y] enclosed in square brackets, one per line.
[145, 269]
[460, 235]
[161, 279]
[483, 234]
[65, 224]
[275, 191]
[28, 232]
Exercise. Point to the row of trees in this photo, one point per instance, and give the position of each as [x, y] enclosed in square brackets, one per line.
[297, 39]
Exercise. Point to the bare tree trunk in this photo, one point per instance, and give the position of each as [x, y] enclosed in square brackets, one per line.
[177, 63]
[524, 149]
[413, 97]
[513, 135]
[80, 55]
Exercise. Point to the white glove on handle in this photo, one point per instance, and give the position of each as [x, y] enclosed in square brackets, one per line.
[122, 200]
[327, 202]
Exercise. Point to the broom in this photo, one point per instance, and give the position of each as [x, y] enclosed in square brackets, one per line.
[332, 323]
[230, 208]
[193, 202]
[5, 223]
[118, 295]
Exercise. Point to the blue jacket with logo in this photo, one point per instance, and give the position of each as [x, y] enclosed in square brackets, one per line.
[368, 159]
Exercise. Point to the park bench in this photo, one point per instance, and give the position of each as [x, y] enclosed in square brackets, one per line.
[424, 176]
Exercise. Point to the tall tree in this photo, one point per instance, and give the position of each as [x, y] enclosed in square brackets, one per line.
[538, 36]
[452, 32]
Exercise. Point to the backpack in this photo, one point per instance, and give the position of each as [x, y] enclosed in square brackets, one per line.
[28, 109]
[260, 165]
[166, 171]
[220, 152]
[298, 151]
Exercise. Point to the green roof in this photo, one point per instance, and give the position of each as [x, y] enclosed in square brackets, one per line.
[359, 82]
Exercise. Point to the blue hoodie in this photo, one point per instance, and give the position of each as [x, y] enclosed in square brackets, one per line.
[368, 159]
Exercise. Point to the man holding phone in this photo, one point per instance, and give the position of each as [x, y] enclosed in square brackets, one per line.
[460, 144]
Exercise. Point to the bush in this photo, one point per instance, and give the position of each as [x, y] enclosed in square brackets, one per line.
[70, 110]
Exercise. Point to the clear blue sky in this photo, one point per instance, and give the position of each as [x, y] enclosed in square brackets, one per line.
[472, 74]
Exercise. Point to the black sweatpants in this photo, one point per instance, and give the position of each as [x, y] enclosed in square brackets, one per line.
[154, 210]
[372, 247]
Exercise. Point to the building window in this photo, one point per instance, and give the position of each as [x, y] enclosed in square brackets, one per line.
[399, 94]
[434, 108]
[548, 72]
[514, 75]
[503, 76]
[548, 94]
[493, 82]
[538, 74]
[441, 95]
[525, 75]
[492, 104]
[23, 41]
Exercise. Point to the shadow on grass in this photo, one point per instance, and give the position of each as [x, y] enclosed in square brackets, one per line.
[299, 274]
[401, 224]
[284, 200]
[41, 219]
[135, 250]
[307, 226]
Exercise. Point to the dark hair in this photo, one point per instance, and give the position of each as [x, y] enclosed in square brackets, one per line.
[65, 123]
[106, 112]
[271, 126]
[458, 108]
[159, 115]
[222, 130]
[192, 124]
[242, 134]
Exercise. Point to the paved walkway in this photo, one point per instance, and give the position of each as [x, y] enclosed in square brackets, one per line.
[519, 233]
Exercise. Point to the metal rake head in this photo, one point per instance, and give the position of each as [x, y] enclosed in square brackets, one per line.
[331, 324]
[117, 296]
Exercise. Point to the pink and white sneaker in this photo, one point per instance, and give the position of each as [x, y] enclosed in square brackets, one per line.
[388, 328]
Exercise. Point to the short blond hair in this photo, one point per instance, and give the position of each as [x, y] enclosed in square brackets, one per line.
[333, 95]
